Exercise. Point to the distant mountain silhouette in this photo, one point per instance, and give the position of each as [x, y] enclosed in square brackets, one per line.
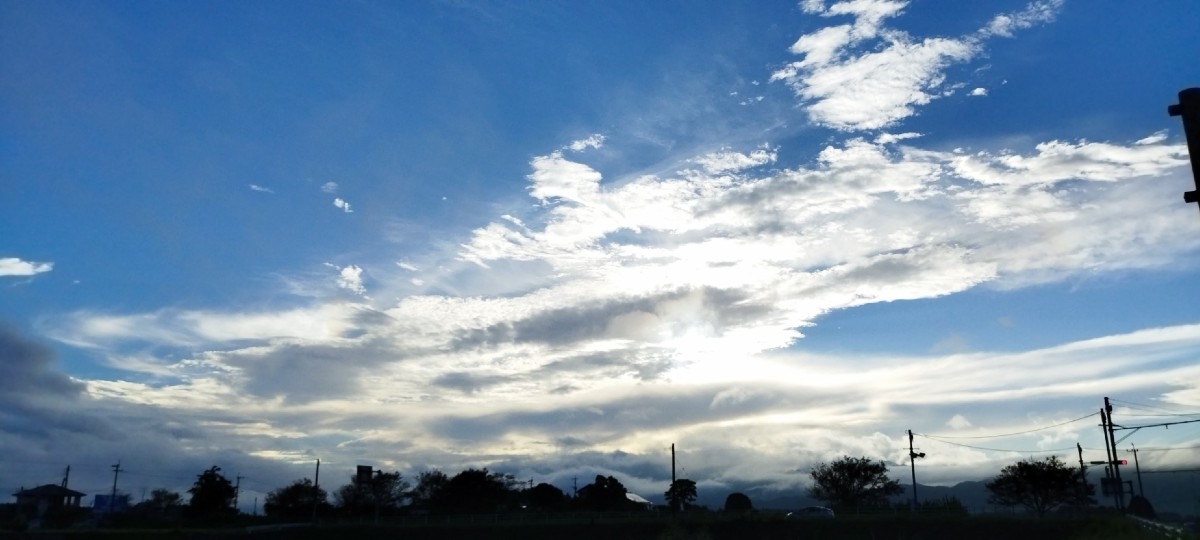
[1177, 493]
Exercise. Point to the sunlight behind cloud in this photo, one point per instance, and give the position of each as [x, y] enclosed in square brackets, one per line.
[568, 261]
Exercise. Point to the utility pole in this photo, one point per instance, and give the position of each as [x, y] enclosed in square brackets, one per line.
[1188, 110]
[1138, 468]
[66, 476]
[672, 464]
[237, 490]
[316, 490]
[912, 461]
[1082, 468]
[1116, 465]
[1108, 458]
[112, 500]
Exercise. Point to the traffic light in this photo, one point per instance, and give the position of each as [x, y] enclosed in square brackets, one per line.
[1121, 462]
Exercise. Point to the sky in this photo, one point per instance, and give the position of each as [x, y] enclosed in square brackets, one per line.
[553, 239]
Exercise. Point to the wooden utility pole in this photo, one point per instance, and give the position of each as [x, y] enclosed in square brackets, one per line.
[316, 490]
[112, 501]
[1116, 464]
[1108, 458]
[1082, 468]
[237, 491]
[672, 464]
[912, 461]
[1138, 468]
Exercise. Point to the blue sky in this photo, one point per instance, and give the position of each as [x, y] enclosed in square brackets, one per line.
[555, 239]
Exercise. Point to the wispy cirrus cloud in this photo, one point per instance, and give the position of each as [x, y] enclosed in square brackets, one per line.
[261, 189]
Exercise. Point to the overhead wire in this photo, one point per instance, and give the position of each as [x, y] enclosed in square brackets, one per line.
[1007, 434]
[1042, 451]
[1152, 408]
[1168, 449]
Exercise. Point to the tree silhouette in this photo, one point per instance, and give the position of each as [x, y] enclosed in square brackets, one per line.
[429, 486]
[296, 500]
[605, 494]
[546, 497]
[738, 502]
[853, 483]
[212, 493]
[474, 491]
[164, 499]
[162, 505]
[1040, 486]
[380, 493]
[681, 494]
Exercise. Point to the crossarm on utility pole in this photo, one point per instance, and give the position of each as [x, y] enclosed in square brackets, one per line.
[1188, 110]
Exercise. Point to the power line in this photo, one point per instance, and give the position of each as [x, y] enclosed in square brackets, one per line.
[1168, 449]
[1157, 425]
[1047, 451]
[1139, 415]
[1008, 434]
[1152, 408]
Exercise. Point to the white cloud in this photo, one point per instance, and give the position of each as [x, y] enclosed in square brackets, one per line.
[203, 328]
[13, 266]
[1056, 161]
[958, 421]
[594, 141]
[345, 206]
[978, 92]
[889, 138]
[665, 305]
[880, 87]
[350, 278]
[256, 187]
[1153, 139]
[329, 187]
[555, 177]
[1035, 13]
[730, 161]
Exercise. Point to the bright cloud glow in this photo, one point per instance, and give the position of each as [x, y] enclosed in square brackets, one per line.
[340, 203]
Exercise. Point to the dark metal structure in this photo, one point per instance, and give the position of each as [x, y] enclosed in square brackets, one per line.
[1188, 109]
